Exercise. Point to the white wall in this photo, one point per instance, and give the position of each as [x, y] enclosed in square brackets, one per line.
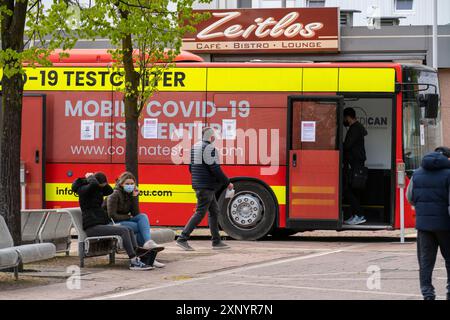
[420, 15]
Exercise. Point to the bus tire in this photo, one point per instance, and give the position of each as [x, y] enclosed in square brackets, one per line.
[250, 214]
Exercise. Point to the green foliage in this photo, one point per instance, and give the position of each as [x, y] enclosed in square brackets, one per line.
[156, 33]
[46, 29]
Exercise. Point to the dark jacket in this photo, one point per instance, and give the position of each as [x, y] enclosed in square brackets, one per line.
[354, 150]
[429, 193]
[91, 198]
[120, 204]
[205, 168]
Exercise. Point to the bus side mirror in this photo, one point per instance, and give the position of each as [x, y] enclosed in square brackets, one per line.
[430, 102]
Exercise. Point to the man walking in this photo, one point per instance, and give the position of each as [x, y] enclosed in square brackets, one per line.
[428, 191]
[354, 158]
[207, 179]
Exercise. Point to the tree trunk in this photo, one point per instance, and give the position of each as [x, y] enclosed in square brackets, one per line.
[10, 154]
[12, 31]
[131, 108]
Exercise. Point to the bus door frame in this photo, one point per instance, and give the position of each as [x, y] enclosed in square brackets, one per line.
[42, 155]
[393, 97]
[314, 224]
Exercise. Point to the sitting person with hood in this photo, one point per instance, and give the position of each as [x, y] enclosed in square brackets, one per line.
[123, 208]
[91, 190]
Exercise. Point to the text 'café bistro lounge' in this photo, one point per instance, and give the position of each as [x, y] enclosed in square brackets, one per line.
[319, 35]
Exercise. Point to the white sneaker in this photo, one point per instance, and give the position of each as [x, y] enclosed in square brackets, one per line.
[150, 244]
[158, 264]
[359, 220]
[350, 220]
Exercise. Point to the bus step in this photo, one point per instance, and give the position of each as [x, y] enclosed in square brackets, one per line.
[367, 227]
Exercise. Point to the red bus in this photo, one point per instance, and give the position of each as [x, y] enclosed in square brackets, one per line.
[280, 137]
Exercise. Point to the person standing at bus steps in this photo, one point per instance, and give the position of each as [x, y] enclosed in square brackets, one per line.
[207, 179]
[123, 208]
[354, 159]
[91, 190]
[428, 191]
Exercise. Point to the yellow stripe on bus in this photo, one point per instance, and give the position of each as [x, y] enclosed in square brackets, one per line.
[313, 202]
[254, 79]
[320, 79]
[107, 79]
[366, 80]
[219, 79]
[314, 190]
[156, 193]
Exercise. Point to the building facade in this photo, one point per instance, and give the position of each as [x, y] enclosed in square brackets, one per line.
[370, 30]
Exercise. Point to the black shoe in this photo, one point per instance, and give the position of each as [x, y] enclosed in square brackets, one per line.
[220, 245]
[429, 298]
[183, 244]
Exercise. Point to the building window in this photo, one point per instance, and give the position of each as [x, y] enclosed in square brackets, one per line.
[244, 3]
[403, 5]
[315, 3]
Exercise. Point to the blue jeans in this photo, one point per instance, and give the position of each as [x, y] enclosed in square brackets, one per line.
[140, 226]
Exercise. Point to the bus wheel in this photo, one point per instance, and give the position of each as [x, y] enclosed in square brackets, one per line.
[250, 214]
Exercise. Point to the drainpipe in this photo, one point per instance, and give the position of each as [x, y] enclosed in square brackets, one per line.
[283, 3]
[435, 35]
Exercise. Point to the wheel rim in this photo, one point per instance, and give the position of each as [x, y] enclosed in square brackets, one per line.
[245, 210]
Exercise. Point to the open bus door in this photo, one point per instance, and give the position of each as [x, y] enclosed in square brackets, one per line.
[32, 151]
[314, 146]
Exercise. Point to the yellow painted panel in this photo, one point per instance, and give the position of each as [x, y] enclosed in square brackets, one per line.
[366, 79]
[254, 79]
[280, 194]
[314, 190]
[313, 202]
[107, 79]
[157, 193]
[320, 79]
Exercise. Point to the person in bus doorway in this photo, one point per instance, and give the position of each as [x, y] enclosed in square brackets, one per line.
[123, 208]
[354, 158]
[91, 191]
[428, 192]
[207, 179]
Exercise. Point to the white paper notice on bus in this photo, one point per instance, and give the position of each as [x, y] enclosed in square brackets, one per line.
[422, 135]
[87, 130]
[150, 128]
[308, 131]
[229, 129]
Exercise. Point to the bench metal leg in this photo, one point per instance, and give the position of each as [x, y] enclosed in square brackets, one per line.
[16, 273]
[112, 257]
[81, 253]
[68, 249]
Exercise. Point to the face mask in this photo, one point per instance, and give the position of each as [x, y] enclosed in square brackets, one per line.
[346, 124]
[128, 188]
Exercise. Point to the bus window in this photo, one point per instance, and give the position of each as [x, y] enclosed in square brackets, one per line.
[420, 135]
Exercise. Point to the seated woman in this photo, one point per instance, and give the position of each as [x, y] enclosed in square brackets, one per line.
[91, 190]
[123, 208]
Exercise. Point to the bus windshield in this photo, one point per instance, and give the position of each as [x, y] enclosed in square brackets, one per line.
[420, 135]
